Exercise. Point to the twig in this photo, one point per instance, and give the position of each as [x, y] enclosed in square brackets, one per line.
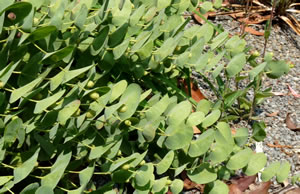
[269, 27]
[247, 10]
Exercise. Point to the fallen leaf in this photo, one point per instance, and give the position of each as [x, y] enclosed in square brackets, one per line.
[290, 124]
[254, 32]
[279, 146]
[254, 19]
[286, 183]
[261, 188]
[234, 189]
[293, 92]
[196, 130]
[243, 182]
[273, 114]
[287, 153]
[293, 191]
[196, 94]
[188, 184]
[291, 23]
[198, 18]
[279, 94]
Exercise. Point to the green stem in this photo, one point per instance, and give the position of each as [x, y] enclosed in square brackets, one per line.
[216, 92]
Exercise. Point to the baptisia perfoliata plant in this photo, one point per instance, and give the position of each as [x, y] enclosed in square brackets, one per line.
[109, 107]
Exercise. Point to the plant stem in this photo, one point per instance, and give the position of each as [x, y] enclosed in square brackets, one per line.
[269, 27]
[247, 10]
[258, 80]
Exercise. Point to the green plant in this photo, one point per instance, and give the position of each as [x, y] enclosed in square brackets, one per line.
[138, 128]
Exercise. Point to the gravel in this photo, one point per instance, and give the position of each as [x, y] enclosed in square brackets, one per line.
[285, 44]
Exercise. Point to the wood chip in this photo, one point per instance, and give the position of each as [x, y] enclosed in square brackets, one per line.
[273, 114]
[290, 124]
[279, 146]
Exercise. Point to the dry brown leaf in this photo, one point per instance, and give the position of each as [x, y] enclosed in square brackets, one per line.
[293, 191]
[290, 124]
[293, 92]
[196, 94]
[255, 19]
[196, 130]
[244, 182]
[278, 146]
[234, 189]
[261, 188]
[279, 94]
[273, 114]
[206, 15]
[254, 32]
[188, 184]
[291, 24]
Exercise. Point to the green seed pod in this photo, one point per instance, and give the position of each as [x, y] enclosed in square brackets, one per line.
[1, 84]
[123, 108]
[169, 182]
[126, 166]
[127, 122]
[142, 162]
[77, 113]
[256, 53]
[90, 114]
[94, 95]
[119, 153]
[14, 118]
[90, 84]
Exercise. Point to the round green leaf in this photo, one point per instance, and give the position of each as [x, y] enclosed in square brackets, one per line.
[283, 172]
[236, 64]
[5, 179]
[203, 174]
[45, 103]
[256, 163]
[25, 168]
[218, 187]
[211, 118]
[204, 106]
[270, 171]
[202, 144]
[277, 68]
[11, 130]
[240, 159]
[143, 174]
[179, 113]
[195, 118]
[176, 186]
[165, 163]
[178, 136]
[41, 33]
[241, 136]
[160, 185]
[68, 111]
[131, 99]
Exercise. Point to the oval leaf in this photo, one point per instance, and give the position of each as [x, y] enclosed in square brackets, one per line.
[203, 174]
[211, 118]
[256, 163]
[165, 163]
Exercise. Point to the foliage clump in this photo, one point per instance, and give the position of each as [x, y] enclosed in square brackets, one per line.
[88, 89]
